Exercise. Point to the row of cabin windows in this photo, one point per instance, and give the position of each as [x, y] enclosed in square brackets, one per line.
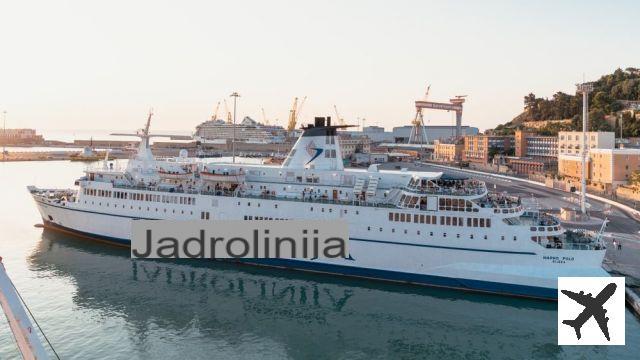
[167, 199]
[448, 204]
[310, 208]
[444, 220]
[471, 236]
[139, 207]
[97, 192]
[251, 217]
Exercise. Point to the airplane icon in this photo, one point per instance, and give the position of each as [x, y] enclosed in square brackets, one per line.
[593, 307]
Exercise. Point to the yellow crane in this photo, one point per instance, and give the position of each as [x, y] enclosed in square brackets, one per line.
[226, 110]
[338, 117]
[294, 113]
[264, 118]
[214, 117]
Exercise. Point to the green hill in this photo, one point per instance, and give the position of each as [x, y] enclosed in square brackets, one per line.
[605, 99]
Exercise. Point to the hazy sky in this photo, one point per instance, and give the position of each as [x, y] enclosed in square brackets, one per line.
[103, 64]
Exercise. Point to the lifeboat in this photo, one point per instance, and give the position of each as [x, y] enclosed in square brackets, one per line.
[223, 176]
[175, 175]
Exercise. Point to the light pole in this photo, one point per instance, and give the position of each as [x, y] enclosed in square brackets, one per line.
[235, 97]
[585, 89]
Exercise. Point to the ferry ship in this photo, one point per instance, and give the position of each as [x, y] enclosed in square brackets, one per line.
[404, 226]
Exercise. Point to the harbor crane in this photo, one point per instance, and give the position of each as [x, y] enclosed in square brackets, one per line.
[294, 113]
[418, 134]
[454, 104]
[264, 118]
[214, 117]
[340, 118]
[226, 110]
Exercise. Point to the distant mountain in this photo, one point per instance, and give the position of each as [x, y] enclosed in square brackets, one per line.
[617, 93]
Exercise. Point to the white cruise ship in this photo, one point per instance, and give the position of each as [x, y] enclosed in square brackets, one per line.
[248, 130]
[414, 227]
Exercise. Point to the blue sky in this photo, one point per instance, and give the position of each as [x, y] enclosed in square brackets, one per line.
[101, 65]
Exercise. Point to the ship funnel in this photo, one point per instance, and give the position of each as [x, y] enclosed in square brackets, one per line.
[318, 147]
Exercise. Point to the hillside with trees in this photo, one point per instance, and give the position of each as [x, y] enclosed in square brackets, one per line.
[607, 99]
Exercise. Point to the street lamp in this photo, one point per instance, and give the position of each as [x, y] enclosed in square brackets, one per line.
[235, 97]
[585, 89]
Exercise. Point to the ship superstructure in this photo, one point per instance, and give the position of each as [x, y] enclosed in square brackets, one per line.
[407, 226]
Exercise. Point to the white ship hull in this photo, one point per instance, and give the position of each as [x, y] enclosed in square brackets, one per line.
[431, 258]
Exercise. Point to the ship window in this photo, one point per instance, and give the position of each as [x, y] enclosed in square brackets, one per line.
[427, 219]
[415, 218]
[405, 231]
[485, 237]
[369, 228]
[418, 232]
[515, 238]
[444, 235]
[471, 236]
[475, 222]
[458, 236]
[245, 217]
[468, 222]
[481, 222]
[448, 220]
[488, 222]
[390, 216]
[393, 230]
[380, 229]
[402, 217]
[433, 219]
[275, 206]
[502, 237]
[421, 219]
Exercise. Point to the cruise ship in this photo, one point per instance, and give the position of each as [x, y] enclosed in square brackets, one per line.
[405, 226]
[248, 131]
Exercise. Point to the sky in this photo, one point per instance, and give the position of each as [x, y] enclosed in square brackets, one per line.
[104, 64]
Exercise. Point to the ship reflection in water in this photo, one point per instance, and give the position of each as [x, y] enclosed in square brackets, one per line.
[207, 309]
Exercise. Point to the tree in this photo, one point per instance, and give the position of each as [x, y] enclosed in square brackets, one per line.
[634, 178]
[597, 121]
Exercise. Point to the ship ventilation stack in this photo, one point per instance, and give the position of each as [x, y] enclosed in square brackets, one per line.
[317, 148]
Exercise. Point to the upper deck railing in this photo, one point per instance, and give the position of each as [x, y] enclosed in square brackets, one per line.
[265, 196]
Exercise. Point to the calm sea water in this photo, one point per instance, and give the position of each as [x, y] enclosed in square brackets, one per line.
[94, 302]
